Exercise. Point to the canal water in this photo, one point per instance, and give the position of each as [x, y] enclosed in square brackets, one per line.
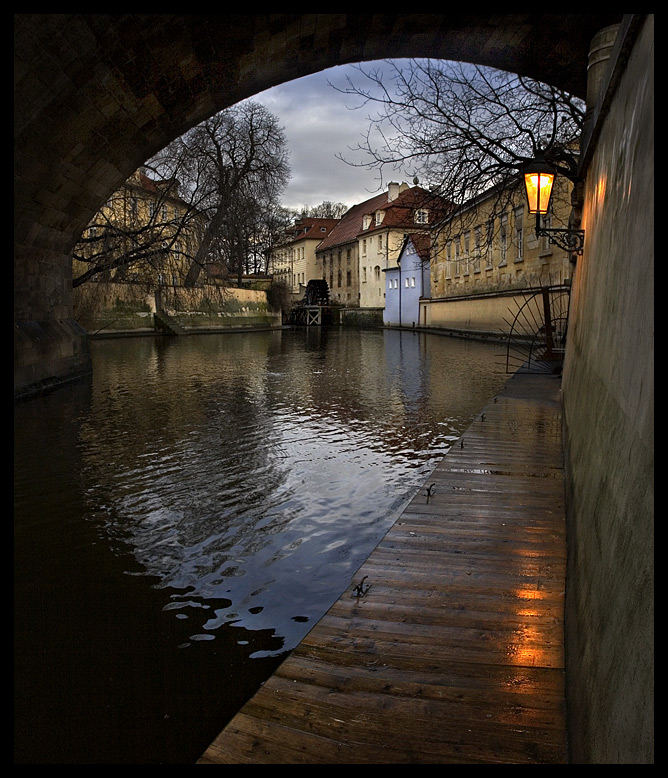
[185, 516]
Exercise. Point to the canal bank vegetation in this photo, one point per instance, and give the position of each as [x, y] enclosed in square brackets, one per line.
[108, 308]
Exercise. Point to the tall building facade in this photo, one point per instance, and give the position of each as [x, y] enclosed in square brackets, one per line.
[294, 261]
[145, 233]
[368, 239]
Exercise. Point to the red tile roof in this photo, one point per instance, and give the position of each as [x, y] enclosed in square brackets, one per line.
[422, 243]
[310, 228]
[399, 214]
[350, 224]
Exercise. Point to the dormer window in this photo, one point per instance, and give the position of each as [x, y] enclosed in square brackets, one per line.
[421, 216]
[366, 221]
[379, 217]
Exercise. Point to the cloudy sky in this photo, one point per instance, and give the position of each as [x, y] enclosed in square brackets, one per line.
[319, 124]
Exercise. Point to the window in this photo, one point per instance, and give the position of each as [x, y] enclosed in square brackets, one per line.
[348, 278]
[546, 223]
[448, 259]
[421, 216]
[490, 243]
[476, 250]
[457, 268]
[366, 221]
[406, 283]
[364, 275]
[467, 247]
[376, 272]
[380, 243]
[379, 217]
[413, 282]
[503, 239]
[519, 217]
[364, 248]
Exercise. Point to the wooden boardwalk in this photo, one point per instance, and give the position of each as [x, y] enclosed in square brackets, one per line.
[455, 652]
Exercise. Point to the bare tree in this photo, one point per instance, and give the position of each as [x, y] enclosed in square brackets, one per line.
[463, 130]
[237, 162]
[326, 210]
[197, 202]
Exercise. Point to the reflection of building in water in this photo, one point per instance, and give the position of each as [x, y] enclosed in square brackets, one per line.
[405, 373]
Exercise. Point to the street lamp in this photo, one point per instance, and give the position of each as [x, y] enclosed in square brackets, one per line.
[539, 177]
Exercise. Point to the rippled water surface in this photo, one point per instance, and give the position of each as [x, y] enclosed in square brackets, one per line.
[184, 517]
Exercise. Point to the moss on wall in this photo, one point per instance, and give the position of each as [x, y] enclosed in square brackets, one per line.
[104, 308]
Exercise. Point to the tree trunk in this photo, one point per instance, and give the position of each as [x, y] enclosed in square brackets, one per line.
[203, 249]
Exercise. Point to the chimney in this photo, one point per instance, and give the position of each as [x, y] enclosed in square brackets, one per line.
[392, 191]
[404, 186]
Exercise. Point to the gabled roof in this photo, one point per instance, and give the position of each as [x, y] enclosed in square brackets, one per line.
[168, 188]
[399, 214]
[309, 228]
[350, 224]
[421, 242]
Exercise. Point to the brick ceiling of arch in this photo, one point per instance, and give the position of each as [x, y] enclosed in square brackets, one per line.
[96, 95]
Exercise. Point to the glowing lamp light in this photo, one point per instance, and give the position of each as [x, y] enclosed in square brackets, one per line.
[538, 180]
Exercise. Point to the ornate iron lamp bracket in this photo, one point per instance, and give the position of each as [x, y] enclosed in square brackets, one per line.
[568, 240]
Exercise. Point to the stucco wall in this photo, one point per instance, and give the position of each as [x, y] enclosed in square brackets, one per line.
[487, 315]
[608, 400]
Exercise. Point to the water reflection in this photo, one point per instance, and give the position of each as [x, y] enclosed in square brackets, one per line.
[212, 495]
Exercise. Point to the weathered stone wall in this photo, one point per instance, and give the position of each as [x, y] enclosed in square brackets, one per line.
[608, 399]
[109, 308]
[361, 317]
[213, 307]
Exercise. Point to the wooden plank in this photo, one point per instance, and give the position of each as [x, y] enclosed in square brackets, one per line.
[454, 654]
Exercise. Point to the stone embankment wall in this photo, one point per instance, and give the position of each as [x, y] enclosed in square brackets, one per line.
[115, 309]
[608, 401]
[361, 317]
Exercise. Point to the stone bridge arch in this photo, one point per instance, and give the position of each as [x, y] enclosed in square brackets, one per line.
[96, 95]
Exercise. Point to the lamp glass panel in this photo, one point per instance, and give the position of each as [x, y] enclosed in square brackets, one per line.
[538, 189]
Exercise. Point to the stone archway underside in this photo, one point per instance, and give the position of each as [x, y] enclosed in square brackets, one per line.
[96, 95]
